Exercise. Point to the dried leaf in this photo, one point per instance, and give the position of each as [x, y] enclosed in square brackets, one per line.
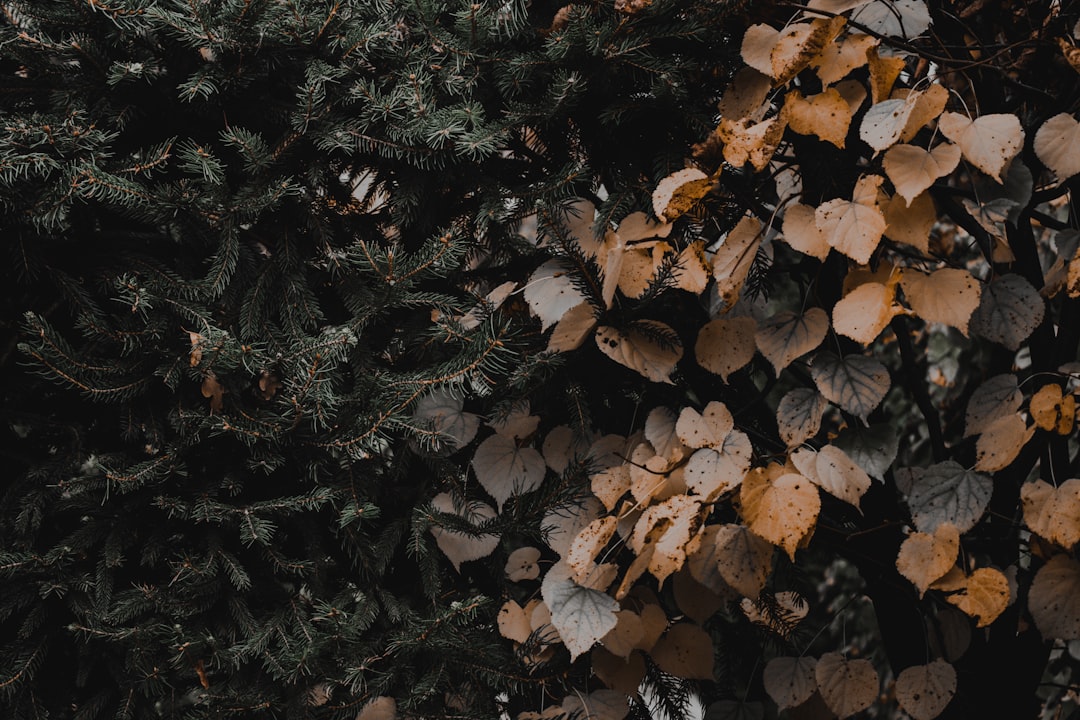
[1053, 513]
[726, 345]
[948, 296]
[847, 686]
[884, 69]
[587, 545]
[983, 595]
[732, 259]
[911, 224]
[1001, 441]
[679, 192]
[513, 622]
[801, 232]
[641, 352]
[798, 415]
[913, 170]
[1057, 145]
[787, 336]
[572, 328]
[865, 311]
[1053, 411]
[506, 470]
[885, 121]
[1009, 311]
[521, 564]
[838, 475]
[854, 383]
[839, 58]
[925, 558]
[746, 140]
[706, 429]
[743, 559]
[782, 511]
[711, 472]
[213, 390]
[551, 293]
[854, 227]
[1054, 600]
[745, 96]
[380, 708]
[989, 142]
[826, 115]
[924, 691]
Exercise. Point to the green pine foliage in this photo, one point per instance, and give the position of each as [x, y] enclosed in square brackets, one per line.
[239, 238]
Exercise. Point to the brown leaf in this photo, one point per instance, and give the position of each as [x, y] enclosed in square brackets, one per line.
[213, 390]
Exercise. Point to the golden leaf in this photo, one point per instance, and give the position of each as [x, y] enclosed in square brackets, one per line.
[925, 558]
[782, 511]
[948, 296]
[826, 115]
[1053, 411]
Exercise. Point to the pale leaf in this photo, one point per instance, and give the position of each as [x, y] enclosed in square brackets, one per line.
[667, 527]
[382, 707]
[726, 345]
[839, 476]
[924, 558]
[1053, 513]
[550, 292]
[865, 311]
[836, 6]
[562, 446]
[685, 651]
[911, 224]
[787, 336]
[1053, 411]
[581, 616]
[460, 547]
[562, 524]
[660, 431]
[929, 104]
[521, 564]
[854, 227]
[1009, 311]
[854, 383]
[847, 686]
[839, 58]
[444, 412]
[923, 691]
[757, 47]
[913, 170]
[731, 261]
[517, 424]
[1057, 145]
[799, 43]
[513, 622]
[572, 328]
[801, 232]
[894, 18]
[781, 614]
[790, 681]
[692, 269]
[1001, 441]
[948, 296]
[826, 115]
[989, 142]
[679, 192]
[1054, 600]
[638, 268]
[638, 226]
[995, 398]
[506, 470]
[713, 471]
[983, 595]
[782, 511]
[885, 121]
[744, 560]
[639, 351]
[798, 415]
[947, 492]
[705, 429]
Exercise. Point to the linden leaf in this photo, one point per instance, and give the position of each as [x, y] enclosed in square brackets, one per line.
[826, 115]
[458, 546]
[1054, 599]
[911, 224]
[1057, 145]
[757, 47]
[622, 674]
[924, 691]
[1053, 513]
[679, 192]
[745, 96]
[798, 415]
[1053, 411]
[707, 429]
[925, 558]
[581, 616]
[884, 69]
[551, 293]
[838, 475]
[799, 43]
[787, 336]
[989, 142]
[444, 412]
[713, 471]
[854, 227]
[913, 170]
[562, 524]
[638, 348]
[894, 18]
[521, 565]
[726, 345]
[801, 232]
[625, 636]
[847, 686]
[517, 424]
[638, 268]
[983, 595]
[865, 311]
[855, 383]
[667, 528]
[692, 269]
[873, 448]
[572, 328]
[744, 560]
[382, 707]
[948, 296]
[995, 398]
[1001, 442]
[782, 511]
[562, 446]
[837, 59]
[929, 104]
[885, 121]
[746, 140]
[947, 492]
[790, 681]
[513, 622]
[1009, 311]
[587, 545]
[660, 431]
[732, 259]
[685, 651]
[506, 470]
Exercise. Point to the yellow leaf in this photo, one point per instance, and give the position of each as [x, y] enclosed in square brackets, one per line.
[1054, 600]
[1057, 145]
[912, 169]
[839, 58]
[800, 43]
[707, 429]
[640, 351]
[801, 232]
[989, 142]
[854, 227]
[1052, 411]
[691, 268]
[587, 545]
[732, 259]
[925, 558]
[790, 681]
[685, 651]
[923, 691]
[726, 345]
[948, 296]
[883, 73]
[911, 224]
[787, 336]
[746, 140]
[847, 686]
[572, 328]
[865, 311]
[679, 192]
[744, 560]
[638, 267]
[782, 511]
[513, 622]
[928, 106]
[983, 595]
[1001, 442]
[1053, 513]
[826, 115]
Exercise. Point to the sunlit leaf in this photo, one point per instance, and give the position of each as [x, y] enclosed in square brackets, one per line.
[1052, 411]
[854, 227]
[913, 170]
[925, 557]
[983, 595]
[989, 142]
[865, 311]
